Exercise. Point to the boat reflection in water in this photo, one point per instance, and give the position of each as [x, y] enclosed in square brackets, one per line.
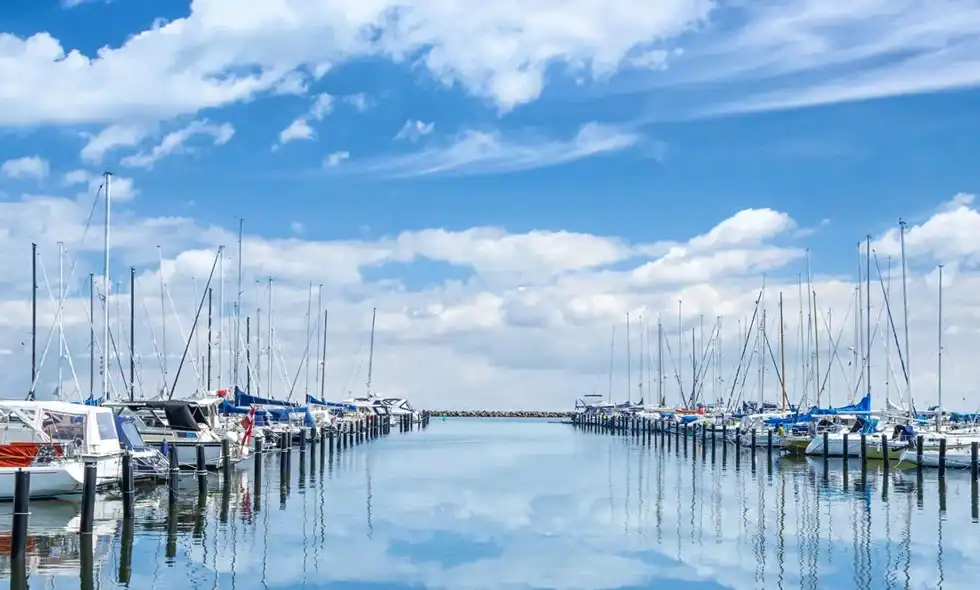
[54, 547]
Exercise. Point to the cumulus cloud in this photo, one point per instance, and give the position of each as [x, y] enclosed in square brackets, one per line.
[27, 167]
[520, 312]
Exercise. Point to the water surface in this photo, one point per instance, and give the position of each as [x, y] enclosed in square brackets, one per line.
[523, 504]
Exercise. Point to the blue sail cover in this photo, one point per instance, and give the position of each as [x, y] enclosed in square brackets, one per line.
[244, 399]
[863, 406]
[322, 402]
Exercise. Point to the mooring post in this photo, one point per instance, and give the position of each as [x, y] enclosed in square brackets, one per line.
[845, 451]
[826, 444]
[127, 485]
[942, 457]
[22, 504]
[259, 443]
[884, 453]
[738, 439]
[752, 442]
[974, 459]
[226, 457]
[126, 552]
[919, 444]
[864, 458]
[88, 499]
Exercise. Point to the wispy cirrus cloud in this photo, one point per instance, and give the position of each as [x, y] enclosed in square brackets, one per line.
[789, 54]
[483, 152]
[175, 141]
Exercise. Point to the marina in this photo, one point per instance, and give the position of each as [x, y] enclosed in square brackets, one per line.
[416, 511]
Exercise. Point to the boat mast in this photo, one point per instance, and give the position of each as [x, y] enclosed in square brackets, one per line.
[905, 311]
[660, 362]
[258, 350]
[319, 312]
[208, 382]
[269, 344]
[132, 333]
[612, 351]
[30, 394]
[309, 329]
[680, 349]
[248, 353]
[939, 412]
[163, 321]
[61, 303]
[91, 336]
[859, 317]
[221, 312]
[782, 353]
[888, 341]
[238, 309]
[105, 279]
[323, 354]
[867, 265]
[629, 372]
[816, 348]
[374, 314]
[641, 357]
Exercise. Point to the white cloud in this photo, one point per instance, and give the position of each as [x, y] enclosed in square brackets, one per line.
[34, 167]
[111, 138]
[806, 52]
[174, 142]
[525, 311]
[481, 152]
[296, 227]
[300, 127]
[224, 52]
[76, 177]
[336, 158]
[359, 101]
[414, 130]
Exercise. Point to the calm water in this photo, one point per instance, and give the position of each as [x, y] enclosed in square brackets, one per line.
[524, 504]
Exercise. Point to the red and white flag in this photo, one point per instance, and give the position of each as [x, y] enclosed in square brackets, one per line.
[248, 422]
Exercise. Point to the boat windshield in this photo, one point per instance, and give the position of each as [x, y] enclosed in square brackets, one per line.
[60, 426]
[129, 435]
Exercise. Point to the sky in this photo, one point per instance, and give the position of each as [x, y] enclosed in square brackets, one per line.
[503, 185]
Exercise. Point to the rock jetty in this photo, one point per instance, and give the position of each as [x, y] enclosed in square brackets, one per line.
[498, 414]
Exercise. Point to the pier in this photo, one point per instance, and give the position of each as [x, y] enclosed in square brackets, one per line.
[319, 446]
[699, 440]
[499, 414]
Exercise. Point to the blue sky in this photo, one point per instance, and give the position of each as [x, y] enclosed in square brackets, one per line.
[637, 123]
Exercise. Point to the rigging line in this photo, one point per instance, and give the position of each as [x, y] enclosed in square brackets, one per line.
[61, 337]
[156, 349]
[71, 273]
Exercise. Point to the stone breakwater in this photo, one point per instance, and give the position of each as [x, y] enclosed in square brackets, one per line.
[498, 414]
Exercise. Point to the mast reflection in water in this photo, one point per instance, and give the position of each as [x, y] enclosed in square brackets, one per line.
[485, 504]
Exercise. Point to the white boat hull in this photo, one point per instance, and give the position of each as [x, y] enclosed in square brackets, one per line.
[47, 481]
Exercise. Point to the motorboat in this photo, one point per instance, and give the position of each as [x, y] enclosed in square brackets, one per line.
[185, 425]
[55, 440]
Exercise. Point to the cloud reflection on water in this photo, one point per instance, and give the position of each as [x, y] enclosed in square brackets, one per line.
[486, 504]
